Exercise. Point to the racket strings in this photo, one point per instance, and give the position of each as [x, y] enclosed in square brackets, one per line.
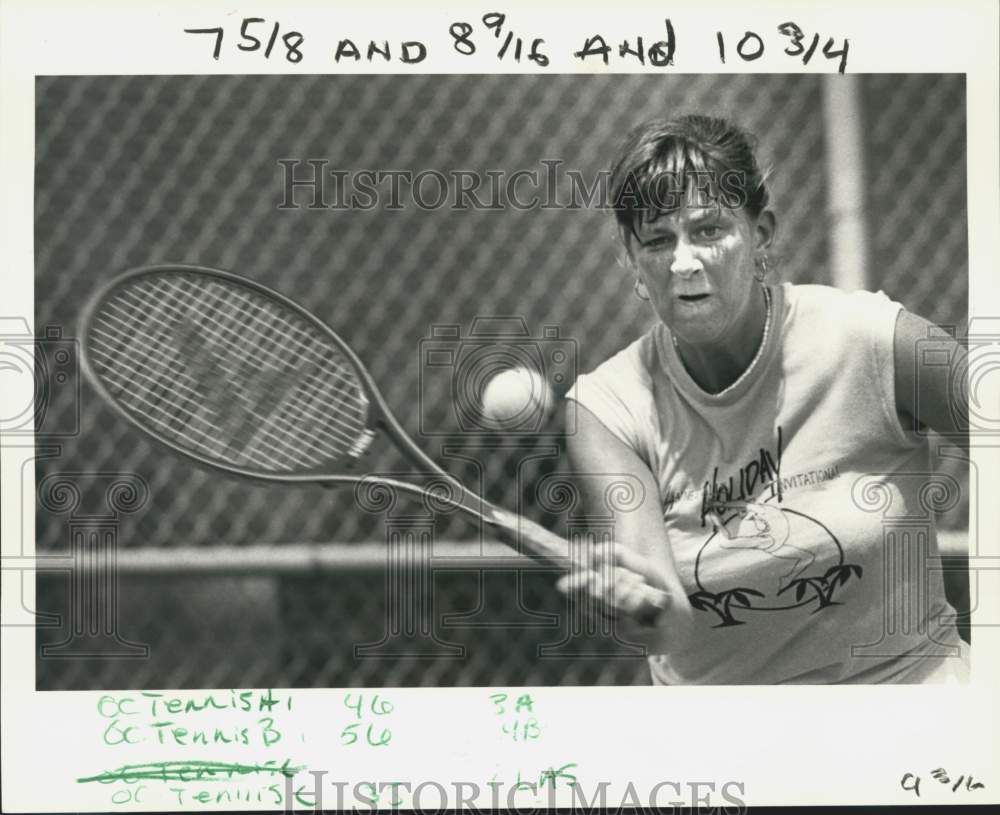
[339, 385]
[231, 333]
[228, 373]
[219, 371]
[170, 363]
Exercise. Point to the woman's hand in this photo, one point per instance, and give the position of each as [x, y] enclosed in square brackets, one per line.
[624, 585]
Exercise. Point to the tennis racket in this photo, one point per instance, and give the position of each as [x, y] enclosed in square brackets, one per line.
[238, 377]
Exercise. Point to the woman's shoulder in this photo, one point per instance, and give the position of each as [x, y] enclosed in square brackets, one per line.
[634, 363]
[820, 309]
[619, 392]
[834, 301]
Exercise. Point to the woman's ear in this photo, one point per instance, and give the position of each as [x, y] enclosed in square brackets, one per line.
[765, 230]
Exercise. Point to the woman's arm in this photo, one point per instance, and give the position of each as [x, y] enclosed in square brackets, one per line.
[926, 357]
[642, 550]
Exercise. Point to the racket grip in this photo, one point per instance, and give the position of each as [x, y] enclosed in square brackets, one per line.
[544, 545]
[537, 541]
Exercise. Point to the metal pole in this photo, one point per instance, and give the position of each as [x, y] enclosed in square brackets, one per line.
[845, 181]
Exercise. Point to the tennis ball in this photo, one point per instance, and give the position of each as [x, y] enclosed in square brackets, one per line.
[517, 397]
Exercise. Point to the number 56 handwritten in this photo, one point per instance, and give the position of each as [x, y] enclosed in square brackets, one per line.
[349, 735]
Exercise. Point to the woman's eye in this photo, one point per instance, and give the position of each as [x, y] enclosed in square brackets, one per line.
[710, 232]
[661, 242]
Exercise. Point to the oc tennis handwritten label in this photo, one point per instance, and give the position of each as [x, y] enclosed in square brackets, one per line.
[222, 747]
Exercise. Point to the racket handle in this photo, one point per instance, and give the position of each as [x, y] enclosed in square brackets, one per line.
[544, 545]
[538, 541]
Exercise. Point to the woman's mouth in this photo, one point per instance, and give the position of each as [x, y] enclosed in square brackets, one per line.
[692, 298]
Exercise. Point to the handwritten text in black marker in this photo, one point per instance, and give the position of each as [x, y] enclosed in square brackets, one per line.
[659, 53]
[750, 46]
[512, 46]
[252, 34]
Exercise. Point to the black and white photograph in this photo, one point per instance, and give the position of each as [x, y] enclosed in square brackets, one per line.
[685, 330]
[354, 392]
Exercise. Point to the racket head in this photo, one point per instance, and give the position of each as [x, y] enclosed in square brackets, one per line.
[230, 373]
[238, 377]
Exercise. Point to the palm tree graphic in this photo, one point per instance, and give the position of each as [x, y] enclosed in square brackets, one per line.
[824, 587]
[722, 603]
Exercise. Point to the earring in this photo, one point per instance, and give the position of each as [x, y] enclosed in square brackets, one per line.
[640, 291]
[761, 268]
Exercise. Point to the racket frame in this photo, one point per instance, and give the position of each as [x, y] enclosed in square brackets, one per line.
[534, 540]
[378, 414]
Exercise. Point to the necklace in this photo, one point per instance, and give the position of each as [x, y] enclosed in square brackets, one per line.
[760, 348]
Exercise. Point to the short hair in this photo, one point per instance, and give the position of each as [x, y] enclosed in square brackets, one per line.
[663, 162]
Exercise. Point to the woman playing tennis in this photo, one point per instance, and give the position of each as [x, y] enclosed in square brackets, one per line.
[773, 430]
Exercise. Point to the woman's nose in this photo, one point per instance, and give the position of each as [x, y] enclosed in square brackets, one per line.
[684, 263]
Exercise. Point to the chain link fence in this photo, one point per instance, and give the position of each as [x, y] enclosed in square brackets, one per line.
[141, 170]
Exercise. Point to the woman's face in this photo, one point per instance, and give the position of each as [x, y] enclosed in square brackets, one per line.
[697, 265]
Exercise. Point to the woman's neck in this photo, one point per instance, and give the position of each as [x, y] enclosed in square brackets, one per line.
[718, 365]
